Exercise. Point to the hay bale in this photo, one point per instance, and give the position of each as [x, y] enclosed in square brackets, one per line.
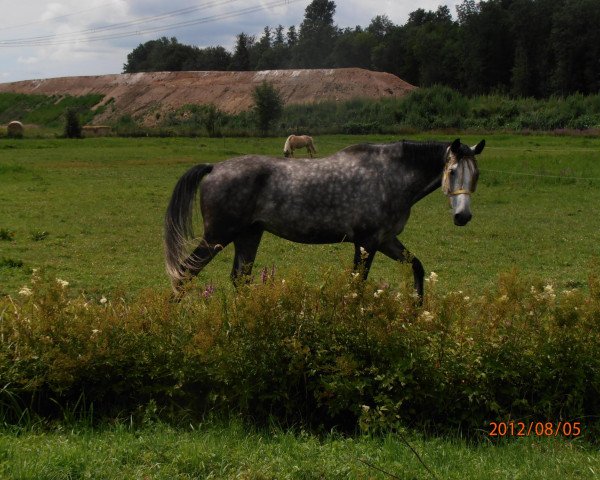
[15, 129]
[96, 130]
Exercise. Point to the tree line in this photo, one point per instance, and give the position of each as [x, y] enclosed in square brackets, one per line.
[527, 48]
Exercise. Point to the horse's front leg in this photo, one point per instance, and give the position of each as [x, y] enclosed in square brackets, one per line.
[364, 253]
[394, 249]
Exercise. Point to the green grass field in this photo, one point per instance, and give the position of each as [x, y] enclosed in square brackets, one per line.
[90, 212]
[230, 451]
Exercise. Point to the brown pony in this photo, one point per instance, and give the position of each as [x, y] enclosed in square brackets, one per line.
[294, 142]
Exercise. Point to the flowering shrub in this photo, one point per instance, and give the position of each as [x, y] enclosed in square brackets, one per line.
[345, 353]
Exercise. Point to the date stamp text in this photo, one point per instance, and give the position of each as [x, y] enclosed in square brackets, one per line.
[537, 429]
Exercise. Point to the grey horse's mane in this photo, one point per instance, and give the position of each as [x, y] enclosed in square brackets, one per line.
[409, 150]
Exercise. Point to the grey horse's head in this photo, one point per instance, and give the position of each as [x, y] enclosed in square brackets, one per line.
[459, 179]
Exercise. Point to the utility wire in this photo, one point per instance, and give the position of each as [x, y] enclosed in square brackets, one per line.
[51, 19]
[114, 26]
[52, 40]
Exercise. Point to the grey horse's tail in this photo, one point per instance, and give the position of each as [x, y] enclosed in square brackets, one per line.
[178, 220]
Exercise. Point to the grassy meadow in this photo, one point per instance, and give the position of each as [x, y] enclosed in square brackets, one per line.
[90, 212]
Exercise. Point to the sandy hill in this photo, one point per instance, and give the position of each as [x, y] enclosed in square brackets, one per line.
[143, 95]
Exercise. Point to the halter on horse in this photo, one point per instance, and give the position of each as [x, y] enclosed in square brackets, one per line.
[362, 194]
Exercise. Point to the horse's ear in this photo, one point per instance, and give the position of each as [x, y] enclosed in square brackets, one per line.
[477, 149]
[455, 147]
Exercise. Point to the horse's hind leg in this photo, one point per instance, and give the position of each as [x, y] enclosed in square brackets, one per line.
[246, 246]
[394, 249]
[197, 260]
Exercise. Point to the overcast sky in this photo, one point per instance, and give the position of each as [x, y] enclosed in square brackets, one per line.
[46, 38]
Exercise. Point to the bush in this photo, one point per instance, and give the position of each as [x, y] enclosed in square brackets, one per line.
[268, 105]
[342, 354]
[72, 125]
[431, 108]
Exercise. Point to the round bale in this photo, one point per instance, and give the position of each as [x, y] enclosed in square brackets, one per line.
[15, 129]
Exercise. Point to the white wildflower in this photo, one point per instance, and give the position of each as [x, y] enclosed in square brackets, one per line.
[62, 283]
[433, 278]
[26, 291]
[549, 292]
[378, 293]
[467, 298]
[365, 408]
[363, 254]
[103, 300]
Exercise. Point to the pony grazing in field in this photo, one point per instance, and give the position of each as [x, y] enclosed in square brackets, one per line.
[362, 194]
[294, 142]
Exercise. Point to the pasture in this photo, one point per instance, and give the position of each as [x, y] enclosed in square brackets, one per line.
[90, 212]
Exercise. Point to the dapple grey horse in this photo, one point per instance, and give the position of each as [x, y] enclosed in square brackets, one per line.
[362, 194]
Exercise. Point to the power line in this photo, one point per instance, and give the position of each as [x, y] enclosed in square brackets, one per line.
[91, 35]
[36, 40]
[51, 19]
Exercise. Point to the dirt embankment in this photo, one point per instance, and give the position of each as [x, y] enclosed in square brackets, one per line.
[144, 95]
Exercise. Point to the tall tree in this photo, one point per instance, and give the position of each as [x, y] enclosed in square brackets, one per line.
[164, 54]
[433, 48]
[487, 46]
[260, 55]
[317, 35]
[279, 39]
[292, 37]
[240, 61]
[210, 58]
[575, 40]
[380, 26]
[531, 22]
[353, 49]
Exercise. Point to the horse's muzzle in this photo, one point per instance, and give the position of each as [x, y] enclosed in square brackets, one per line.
[461, 219]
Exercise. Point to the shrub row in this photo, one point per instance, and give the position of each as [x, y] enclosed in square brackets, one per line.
[342, 354]
[431, 108]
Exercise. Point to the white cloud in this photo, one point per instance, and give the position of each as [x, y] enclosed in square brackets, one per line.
[27, 60]
[61, 28]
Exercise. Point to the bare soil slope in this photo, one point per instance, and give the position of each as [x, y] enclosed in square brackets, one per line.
[143, 95]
